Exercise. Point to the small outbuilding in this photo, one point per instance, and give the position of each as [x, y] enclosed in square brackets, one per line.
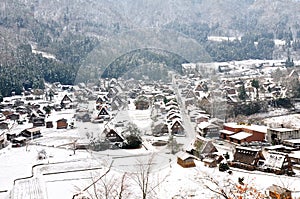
[62, 124]
[49, 124]
[185, 160]
[210, 162]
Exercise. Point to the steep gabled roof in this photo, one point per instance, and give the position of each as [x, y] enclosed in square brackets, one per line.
[247, 155]
[206, 146]
[103, 111]
[275, 160]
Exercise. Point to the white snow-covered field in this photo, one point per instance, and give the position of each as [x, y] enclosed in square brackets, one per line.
[64, 174]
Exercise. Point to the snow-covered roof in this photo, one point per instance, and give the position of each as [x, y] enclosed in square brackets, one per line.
[274, 160]
[204, 125]
[294, 141]
[241, 135]
[248, 148]
[202, 116]
[20, 139]
[259, 128]
[183, 155]
[295, 154]
[226, 132]
[282, 129]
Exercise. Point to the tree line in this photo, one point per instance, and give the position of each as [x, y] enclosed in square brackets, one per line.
[25, 70]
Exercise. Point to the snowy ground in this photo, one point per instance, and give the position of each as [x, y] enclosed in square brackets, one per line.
[63, 173]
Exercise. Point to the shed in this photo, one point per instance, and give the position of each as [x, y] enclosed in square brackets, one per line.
[38, 121]
[185, 160]
[49, 124]
[210, 162]
[62, 124]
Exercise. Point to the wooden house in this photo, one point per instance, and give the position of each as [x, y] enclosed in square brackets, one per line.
[277, 192]
[113, 91]
[117, 103]
[278, 163]
[38, 121]
[242, 132]
[101, 99]
[201, 87]
[10, 135]
[62, 123]
[49, 124]
[176, 128]
[83, 116]
[31, 133]
[185, 160]
[210, 162]
[202, 148]
[204, 103]
[142, 103]
[22, 110]
[240, 137]
[32, 116]
[278, 135]
[206, 129]
[3, 125]
[103, 113]
[160, 129]
[13, 116]
[113, 135]
[247, 158]
[201, 118]
[66, 102]
[159, 97]
[189, 102]
[19, 141]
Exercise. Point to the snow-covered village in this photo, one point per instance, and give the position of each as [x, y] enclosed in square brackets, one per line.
[149, 99]
[146, 139]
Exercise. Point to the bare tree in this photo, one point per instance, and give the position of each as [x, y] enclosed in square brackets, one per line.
[229, 189]
[80, 193]
[111, 187]
[145, 177]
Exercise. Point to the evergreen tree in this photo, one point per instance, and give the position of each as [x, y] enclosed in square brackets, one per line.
[242, 93]
[289, 62]
[255, 84]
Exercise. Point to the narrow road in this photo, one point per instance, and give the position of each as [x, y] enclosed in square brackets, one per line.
[189, 129]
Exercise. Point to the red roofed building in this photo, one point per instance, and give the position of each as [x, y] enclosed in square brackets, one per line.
[238, 133]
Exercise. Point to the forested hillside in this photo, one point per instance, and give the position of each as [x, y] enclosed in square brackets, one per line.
[74, 31]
